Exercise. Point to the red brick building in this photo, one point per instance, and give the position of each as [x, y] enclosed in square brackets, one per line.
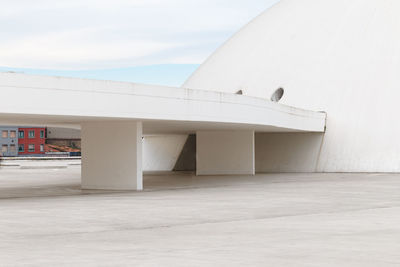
[31, 141]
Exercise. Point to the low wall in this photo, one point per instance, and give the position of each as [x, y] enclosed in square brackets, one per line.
[39, 162]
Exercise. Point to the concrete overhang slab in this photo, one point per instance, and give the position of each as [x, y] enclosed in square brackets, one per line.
[44, 100]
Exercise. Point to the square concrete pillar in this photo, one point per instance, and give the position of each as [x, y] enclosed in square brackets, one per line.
[112, 155]
[225, 153]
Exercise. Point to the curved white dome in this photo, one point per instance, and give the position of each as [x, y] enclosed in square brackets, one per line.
[339, 56]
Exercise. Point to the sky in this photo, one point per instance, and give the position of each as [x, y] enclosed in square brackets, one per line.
[146, 41]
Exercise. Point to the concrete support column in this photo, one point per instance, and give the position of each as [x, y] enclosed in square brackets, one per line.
[112, 155]
[225, 153]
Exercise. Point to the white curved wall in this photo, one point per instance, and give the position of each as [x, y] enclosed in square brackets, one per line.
[338, 56]
[160, 152]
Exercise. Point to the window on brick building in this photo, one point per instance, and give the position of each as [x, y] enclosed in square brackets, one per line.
[31, 148]
[42, 148]
[4, 149]
[41, 134]
[21, 148]
[31, 134]
[21, 134]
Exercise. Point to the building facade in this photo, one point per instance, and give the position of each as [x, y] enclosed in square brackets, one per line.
[31, 141]
[63, 137]
[337, 56]
[8, 141]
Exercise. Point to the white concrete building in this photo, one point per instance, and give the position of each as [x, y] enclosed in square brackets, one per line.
[115, 115]
[340, 57]
[337, 56]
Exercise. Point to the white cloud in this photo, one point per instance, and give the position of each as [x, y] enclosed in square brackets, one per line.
[96, 34]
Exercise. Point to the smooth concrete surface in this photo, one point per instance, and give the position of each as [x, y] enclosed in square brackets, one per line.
[187, 158]
[287, 152]
[112, 155]
[225, 153]
[162, 109]
[161, 152]
[184, 220]
[338, 56]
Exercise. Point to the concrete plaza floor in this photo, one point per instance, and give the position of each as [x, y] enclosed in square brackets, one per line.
[183, 220]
